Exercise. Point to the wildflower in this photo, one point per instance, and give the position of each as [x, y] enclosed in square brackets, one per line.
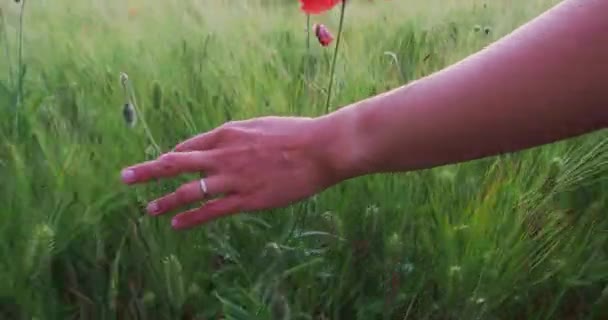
[317, 6]
[323, 35]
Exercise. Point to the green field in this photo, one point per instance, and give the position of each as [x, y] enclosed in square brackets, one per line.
[518, 236]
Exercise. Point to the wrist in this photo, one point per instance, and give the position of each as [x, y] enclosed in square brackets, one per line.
[335, 137]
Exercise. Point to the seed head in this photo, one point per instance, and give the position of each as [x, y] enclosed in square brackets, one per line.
[280, 307]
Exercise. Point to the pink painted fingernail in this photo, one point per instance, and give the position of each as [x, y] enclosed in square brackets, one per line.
[152, 208]
[128, 176]
[175, 223]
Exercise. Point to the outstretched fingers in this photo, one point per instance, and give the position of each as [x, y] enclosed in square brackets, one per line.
[169, 165]
[191, 192]
[212, 210]
[210, 139]
[201, 141]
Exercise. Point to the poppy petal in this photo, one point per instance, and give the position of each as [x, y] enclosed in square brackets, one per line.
[317, 6]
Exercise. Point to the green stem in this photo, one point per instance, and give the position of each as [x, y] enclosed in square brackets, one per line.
[333, 64]
[130, 92]
[20, 71]
[20, 68]
[307, 58]
[307, 33]
[6, 48]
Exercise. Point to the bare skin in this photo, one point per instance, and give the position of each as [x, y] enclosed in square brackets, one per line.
[546, 81]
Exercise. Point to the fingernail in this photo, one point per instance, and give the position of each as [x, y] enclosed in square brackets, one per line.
[128, 176]
[175, 223]
[152, 208]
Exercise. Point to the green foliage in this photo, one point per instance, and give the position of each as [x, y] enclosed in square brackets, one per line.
[519, 236]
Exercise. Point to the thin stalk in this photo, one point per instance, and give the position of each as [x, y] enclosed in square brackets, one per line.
[307, 57]
[20, 68]
[6, 48]
[145, 124]
[130, 93]
[333, 64]
[21, 15]
[307, 33]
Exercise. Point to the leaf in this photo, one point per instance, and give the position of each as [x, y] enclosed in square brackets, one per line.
[232, 310]
[255, 220]
[317, 233]
[301, 266]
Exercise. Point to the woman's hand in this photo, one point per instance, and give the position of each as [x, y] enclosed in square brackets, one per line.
[251, 165]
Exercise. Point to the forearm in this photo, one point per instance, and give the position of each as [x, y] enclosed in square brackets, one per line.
[546, 81]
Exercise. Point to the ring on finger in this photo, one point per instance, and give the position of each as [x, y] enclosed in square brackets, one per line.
[203, 186]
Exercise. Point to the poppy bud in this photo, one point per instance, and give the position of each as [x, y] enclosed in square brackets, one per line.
[128, 112]
[323, 35]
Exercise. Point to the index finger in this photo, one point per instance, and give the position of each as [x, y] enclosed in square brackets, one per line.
[169, 165]
[200, 141]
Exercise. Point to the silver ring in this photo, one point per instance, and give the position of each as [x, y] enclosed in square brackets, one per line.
[203, 186]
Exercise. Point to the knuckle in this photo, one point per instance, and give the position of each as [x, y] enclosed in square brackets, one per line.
[166, 165]
[227, 132]
[168, 159]
[181, 194]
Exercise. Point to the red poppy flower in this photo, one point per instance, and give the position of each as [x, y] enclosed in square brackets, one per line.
[323, 34]
[133, 12]
[318, 6]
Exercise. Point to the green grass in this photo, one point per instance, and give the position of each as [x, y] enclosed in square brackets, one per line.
[519, 236]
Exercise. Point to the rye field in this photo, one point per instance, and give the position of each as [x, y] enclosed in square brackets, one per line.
[515, 236]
